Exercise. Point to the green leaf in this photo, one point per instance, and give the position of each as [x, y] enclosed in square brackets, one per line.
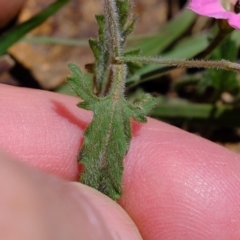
[167, 34]
[132, 67]
[101, 24]
[101, 54]
[123, 8]
[107, 138]
[11, 37]
[93, 43]
[129, 28]
[176, 111]
[78, 84]
[187, 48]
[53, 40]
[132, 52]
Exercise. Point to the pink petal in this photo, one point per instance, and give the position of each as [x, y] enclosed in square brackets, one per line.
[234, 20]
[213, 8]
[209, 8]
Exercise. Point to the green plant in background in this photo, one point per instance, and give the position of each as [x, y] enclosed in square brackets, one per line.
[12, 36]
[15, 34]
[221, 81]
[212, 110]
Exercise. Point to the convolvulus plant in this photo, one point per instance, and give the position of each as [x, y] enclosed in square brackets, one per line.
[107, 138]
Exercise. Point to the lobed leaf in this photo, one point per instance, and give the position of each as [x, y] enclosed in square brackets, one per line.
[107, 138]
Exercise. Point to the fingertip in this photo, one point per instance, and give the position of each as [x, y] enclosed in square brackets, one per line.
[178, 184]
[42, 128]
[119, 224]
[36, 205]
[9, 10]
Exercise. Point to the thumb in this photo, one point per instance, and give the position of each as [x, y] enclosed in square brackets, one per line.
[36, 205]
[9, 10]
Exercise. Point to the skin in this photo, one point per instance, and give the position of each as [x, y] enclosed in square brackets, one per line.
[9, 9]
[39, 205]
[176, 185]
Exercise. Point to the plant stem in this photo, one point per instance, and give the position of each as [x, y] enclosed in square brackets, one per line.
[210, 48]
[114, 43]
[113, 27]
[223, 64]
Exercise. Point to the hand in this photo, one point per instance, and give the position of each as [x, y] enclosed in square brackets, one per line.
[176, 185]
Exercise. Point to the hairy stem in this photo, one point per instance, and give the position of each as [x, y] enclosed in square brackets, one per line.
[112, 29]
[223, 64]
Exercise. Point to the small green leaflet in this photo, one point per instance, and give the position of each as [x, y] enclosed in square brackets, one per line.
[107, 138]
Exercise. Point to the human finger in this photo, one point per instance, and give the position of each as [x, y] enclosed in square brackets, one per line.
[180, 186]
[174, 183]
[8, 10]
[36, 205]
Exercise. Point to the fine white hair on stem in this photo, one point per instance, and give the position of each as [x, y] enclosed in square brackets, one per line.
[113, 28]
[223, 64]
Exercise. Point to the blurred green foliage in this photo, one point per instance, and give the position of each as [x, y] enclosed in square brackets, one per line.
[221, 81]
[16, 33]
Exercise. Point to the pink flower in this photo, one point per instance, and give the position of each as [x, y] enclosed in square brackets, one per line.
[220, 9]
